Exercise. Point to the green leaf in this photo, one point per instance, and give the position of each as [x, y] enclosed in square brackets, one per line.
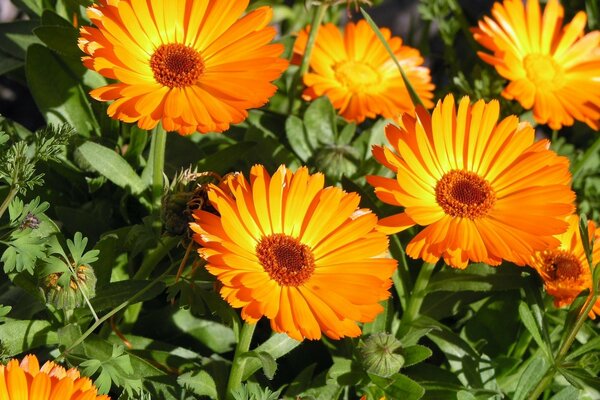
[532, 374]
[347, 134]
[224, 159]
[34, 7]
[399, 386]
[296, 135]
[319, 122]
[8, 63]
[415, 354]
[116, 293]
[269, 365]
[463, 395]
[568, 393]
[580, 378]
[277, 346]
[60, 99]
[217, 337]
[23, 251]
[200, 383]
[16, 37]
[61, 39]
[111, 165]
[18, 336]
[532, 327]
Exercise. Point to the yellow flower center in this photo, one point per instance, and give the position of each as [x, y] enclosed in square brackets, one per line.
[285, 259]
[543, 71]
[561, 265]
[356, 76]
[176, 65]
[464, 194]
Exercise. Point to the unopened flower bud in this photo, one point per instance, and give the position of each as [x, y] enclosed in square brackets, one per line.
[70, 296]
[381, 355]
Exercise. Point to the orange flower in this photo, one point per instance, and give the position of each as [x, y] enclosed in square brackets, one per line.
[555, 72]
[194, 65]
[565, 270]
[29, 381]
[304, 256]
[357, 74]
[484, 189]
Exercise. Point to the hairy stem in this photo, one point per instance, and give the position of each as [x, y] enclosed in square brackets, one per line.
[9, 198]
[418, 293]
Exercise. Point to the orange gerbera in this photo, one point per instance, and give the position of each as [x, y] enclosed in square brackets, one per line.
[357, 74]
[565, 270]
[555, 72]
[484, 189]
[304, 256]
[194, 65]
[28, 381]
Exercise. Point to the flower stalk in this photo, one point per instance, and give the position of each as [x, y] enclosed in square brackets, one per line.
[159, 141]
[418, 293]
[239, 359]
[317, 19]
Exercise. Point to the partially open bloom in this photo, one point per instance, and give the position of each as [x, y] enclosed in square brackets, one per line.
[358, 76]
[565, 270]
[304, 256]
[484, 189]
[556, 72]
[192, 65]
[27, 381]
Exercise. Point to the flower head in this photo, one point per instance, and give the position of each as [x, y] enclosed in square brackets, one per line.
[556, 72]
[304, 256]
[484, 189]
[358, 76]
[194, 66]
[28, 381]
[565, 270]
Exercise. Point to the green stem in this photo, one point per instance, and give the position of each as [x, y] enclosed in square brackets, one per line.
[115, 310]
[401, 276]
[418, 294]
[565, 346]
[414, 96]
[154, 256]
[587, 156]
[239, 360]
[9, 198]
[159, 139]
[315, 24]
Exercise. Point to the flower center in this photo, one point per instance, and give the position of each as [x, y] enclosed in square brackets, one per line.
[285, 259]
[176, 65]
[561, 265]
[543, 71]
[356, 76]
[464, 194]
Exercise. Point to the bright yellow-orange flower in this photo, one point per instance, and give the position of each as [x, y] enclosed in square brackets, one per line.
[27, 381]
[565, 270]
[485, 190]
[556, 72]
[357, 74]
[193, 65]
[304, 256]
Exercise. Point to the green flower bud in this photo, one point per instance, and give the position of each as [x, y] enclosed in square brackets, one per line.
[70, 296]
[381, 355]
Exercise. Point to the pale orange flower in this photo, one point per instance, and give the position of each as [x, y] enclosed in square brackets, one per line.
[192, 65]
[304, 256]
[357, 74]
[565, 270]
[27, 381]
[552, 70]
[483, 189]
